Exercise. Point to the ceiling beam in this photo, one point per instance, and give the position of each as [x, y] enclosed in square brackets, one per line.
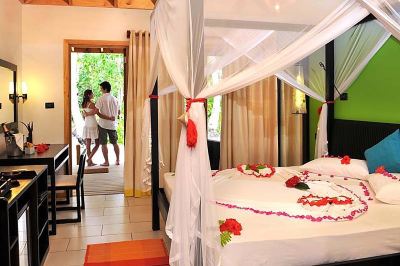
[46, 2]
[138, 4]
[112, 2]
[129, 4]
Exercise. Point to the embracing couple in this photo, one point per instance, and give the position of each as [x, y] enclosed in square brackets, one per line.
[107, 109]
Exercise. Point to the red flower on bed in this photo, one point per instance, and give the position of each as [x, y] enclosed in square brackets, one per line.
[227, 228]
[293, 181]
[257, 170]
[314, 200]
[253, 167]
[232, 226]
[345, 160]
[380, 170]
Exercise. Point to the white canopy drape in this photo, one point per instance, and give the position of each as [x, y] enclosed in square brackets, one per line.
[353, 50]
[197, 37]
[387, 12]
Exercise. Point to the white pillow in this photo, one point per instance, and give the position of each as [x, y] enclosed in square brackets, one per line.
[386, 189]
[333, 166]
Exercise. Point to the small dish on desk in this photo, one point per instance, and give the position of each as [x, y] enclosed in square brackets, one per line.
[30, 150]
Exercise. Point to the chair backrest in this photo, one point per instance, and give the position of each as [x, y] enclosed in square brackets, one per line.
[81, 168]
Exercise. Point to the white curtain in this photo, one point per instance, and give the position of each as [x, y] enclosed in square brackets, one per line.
[189, 33]
[387, 12]
[333, 25]
[353, 50]
[137, 172]
[146, 124]
[191, 224]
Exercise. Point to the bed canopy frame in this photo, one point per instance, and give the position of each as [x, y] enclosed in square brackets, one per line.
[186, 33]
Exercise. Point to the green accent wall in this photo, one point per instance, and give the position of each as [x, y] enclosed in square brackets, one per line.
[374, 95]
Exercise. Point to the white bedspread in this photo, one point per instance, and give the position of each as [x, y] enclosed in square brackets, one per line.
[275, 240]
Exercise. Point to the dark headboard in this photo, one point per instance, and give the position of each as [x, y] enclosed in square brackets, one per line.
[354, 137]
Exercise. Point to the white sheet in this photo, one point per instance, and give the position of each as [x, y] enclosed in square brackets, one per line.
[273, 240]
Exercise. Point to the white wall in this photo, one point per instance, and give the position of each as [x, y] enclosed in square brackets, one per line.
[10, 31]
[44, 29]
[10, 37]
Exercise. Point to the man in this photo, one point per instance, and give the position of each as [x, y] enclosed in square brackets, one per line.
[107, 107]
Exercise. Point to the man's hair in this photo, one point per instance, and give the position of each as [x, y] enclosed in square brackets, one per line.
[106, 86]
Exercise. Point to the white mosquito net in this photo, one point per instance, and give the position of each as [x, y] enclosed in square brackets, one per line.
[353, 50]
[257, 39]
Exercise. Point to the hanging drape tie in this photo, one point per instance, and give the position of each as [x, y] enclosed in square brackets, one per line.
[191, 130]
[327, 102]
[153, 97]
[189, 102]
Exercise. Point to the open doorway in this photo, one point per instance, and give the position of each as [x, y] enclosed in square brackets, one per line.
[89, 65]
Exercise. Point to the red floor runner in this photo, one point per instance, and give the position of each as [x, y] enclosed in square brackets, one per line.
[148, 252]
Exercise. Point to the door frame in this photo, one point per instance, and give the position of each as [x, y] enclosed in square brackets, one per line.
[89, 45]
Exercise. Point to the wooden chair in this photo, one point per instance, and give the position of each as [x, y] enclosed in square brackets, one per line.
[73, 182]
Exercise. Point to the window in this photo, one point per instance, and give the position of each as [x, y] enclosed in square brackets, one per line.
[214, 108]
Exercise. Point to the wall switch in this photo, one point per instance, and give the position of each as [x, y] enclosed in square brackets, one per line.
[49, 105]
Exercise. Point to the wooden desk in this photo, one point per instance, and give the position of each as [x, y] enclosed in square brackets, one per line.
[30, 196]
[55, 158]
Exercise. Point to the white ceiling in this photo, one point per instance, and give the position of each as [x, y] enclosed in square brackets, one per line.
[308, 12]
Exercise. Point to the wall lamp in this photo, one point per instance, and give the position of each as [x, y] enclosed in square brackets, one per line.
[14, 96]
[299, 104]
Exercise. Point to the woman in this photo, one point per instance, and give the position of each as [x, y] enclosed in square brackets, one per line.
[90, 130]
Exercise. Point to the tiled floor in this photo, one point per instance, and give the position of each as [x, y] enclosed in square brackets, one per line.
[107, 218]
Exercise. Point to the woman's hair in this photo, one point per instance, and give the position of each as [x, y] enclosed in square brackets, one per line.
[86, 97]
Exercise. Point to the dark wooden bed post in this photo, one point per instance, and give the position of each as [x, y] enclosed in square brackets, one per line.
[279, 111]
[306, 132]
[155, 160]
[306, 116]
[330, 87]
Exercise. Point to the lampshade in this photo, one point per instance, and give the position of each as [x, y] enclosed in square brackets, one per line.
[24, 88]
[299, 102]
[299, 73]
[299, 98]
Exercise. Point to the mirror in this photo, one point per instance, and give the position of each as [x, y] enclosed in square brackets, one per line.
[8, 79]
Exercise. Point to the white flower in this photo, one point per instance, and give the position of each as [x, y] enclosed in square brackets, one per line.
[265, 171]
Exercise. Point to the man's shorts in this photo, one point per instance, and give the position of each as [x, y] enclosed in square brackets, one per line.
[112, 134]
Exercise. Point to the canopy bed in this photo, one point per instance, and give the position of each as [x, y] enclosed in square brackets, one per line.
[188, 34]
[367, 238]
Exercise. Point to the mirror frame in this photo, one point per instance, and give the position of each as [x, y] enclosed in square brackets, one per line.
[13, 68]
